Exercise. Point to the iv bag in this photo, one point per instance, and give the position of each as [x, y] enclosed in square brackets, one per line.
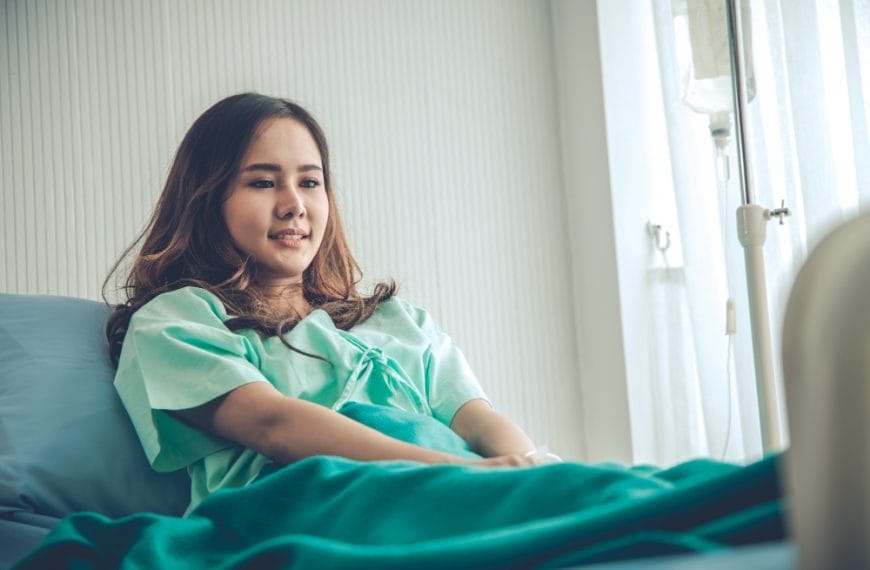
[703, 54]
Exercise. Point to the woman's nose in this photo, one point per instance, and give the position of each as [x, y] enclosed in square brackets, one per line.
[289, 204]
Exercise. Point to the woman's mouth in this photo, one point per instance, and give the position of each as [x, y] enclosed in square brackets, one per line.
[288, 236]
[291, 238]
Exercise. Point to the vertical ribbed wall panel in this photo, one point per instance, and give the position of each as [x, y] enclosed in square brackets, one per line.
[441, 117]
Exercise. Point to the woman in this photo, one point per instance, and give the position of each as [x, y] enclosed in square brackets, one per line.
[243, 334]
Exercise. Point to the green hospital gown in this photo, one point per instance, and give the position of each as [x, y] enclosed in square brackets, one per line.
[178, 354]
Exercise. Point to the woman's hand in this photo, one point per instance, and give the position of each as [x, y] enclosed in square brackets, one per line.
[532, 458]
[513, 460]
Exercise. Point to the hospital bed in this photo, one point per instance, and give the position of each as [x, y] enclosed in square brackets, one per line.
[67, 446]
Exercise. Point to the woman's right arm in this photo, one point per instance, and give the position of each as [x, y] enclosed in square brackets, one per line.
[285, 429]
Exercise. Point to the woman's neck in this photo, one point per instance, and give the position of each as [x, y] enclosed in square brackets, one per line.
[287, 300]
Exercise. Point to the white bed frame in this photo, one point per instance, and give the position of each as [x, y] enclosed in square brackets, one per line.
[826, 367]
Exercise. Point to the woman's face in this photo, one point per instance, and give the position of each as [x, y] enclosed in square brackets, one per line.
[277, 208]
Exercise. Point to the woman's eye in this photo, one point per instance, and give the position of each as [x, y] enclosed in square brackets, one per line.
[310, 183]
[262, 184]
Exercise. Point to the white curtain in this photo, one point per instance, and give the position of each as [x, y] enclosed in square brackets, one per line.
[809, 145]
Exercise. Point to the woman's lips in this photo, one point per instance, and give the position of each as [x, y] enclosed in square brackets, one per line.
[288, 235]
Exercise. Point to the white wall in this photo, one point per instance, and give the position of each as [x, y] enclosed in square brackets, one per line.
[590, 207]
[443, 123]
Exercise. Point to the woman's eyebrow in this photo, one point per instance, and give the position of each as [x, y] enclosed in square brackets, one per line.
[308, 167]
[272, 167]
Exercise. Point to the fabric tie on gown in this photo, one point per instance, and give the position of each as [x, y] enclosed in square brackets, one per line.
[378, 379]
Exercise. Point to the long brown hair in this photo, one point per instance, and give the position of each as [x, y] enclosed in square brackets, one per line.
[186, 241]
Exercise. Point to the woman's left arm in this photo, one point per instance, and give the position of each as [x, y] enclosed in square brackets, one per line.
[492, 434]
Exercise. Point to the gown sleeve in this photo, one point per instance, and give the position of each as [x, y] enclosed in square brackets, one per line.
[450, 381]
[178, 354]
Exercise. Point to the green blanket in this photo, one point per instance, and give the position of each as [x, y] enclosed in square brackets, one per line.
[329, 512]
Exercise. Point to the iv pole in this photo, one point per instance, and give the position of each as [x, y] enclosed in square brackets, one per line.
[751, 230]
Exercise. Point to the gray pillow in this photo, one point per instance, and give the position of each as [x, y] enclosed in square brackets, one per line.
[66, 443]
